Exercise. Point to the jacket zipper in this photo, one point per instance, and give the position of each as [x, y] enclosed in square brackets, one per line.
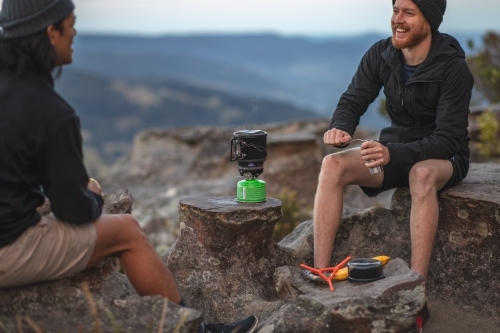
[411, 106]
[401, 91]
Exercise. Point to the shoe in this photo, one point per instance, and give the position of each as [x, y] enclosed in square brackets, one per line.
[245, 326]
[423, 317]
[312, 277]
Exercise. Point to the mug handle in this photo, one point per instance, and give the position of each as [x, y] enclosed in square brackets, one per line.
[235, 153]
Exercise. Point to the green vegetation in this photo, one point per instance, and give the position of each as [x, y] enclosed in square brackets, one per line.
[294, 213]
[488, 135]
[485, 66]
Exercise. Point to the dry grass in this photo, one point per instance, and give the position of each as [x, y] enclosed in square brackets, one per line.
[181, 322]
[19, 321]
[163, 315]
[3, 327]
[116, 327]
[33, 325]
[93, 308]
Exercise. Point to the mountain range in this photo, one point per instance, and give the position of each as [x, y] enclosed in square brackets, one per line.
[121, 85]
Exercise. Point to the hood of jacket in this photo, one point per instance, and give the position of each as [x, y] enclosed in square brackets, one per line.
[443, 48]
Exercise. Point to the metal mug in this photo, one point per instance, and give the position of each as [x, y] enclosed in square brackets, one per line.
[376, 169]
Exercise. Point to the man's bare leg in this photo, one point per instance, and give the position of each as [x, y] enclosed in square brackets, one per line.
[337, 171]
[426, 179]
[121, 236]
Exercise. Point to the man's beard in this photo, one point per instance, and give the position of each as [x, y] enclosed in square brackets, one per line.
[416, 36]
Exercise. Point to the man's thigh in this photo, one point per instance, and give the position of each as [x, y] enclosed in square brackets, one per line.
[439, 172]
[352, 169]
[48, 250]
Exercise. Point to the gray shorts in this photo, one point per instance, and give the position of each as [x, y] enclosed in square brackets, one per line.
[48, 250]
[399, 177]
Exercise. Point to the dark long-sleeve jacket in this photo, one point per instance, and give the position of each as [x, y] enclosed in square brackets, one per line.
[429, 113]
[40, 155]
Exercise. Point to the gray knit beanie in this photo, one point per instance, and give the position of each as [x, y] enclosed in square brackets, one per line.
[433, 11]
[20, 18]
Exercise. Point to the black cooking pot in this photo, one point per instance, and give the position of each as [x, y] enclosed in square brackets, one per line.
[365, 270]
[249, 148]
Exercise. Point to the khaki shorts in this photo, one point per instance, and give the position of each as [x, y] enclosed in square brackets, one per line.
[48, 250]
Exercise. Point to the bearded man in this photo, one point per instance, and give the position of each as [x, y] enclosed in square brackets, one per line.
[427, 85]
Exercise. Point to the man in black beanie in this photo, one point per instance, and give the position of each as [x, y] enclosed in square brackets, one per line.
[427, 85]
[41, 156]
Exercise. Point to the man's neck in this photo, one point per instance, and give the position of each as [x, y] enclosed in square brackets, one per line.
[416, 55]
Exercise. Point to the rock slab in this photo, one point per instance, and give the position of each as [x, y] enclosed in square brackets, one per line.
[225, 258]
[464, 262]
[65, 305]
[228, 267]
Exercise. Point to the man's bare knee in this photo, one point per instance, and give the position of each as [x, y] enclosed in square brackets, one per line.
[115, 234]
[345, 168]
[131, 228]
[333, 167]
[422, 181]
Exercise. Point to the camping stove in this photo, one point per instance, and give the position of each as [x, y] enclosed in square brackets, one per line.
[249, 148]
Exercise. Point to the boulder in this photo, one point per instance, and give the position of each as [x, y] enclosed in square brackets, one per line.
[464, 263]
[228, 266]
[387, 305]
[99, 299]
[225, 257]
[58, 307]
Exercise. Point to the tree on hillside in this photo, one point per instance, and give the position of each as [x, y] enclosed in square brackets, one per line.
[485, 66]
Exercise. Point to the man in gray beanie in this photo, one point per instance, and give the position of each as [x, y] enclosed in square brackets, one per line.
[41, 157]
[427, 85]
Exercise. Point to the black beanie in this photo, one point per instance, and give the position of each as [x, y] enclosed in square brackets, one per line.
[20, 18]
[433, 11]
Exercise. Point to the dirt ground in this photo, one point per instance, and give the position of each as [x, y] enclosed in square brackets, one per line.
[446, 317]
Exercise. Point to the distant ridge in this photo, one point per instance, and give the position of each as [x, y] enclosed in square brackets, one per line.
[135, 82]
[114, 111]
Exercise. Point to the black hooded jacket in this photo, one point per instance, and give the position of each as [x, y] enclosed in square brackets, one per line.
[429, 113]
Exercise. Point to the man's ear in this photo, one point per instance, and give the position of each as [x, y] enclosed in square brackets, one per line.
[52, 33]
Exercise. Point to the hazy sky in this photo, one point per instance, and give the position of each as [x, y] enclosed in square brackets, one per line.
[290, 17]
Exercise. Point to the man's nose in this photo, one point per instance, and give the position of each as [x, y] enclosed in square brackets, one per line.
[398, 17]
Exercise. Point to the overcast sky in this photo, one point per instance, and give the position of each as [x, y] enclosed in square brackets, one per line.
[288, 17]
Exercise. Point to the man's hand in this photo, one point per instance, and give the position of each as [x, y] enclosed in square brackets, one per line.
[375, 152]
[94, 186]
[336, 137]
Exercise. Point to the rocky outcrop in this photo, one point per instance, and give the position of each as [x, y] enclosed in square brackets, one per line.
[99, 299]
[58, 307]
[225, 257]
[228, 266]
[167, 165]
[465, 261]
[387, 305]
[467, 246]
